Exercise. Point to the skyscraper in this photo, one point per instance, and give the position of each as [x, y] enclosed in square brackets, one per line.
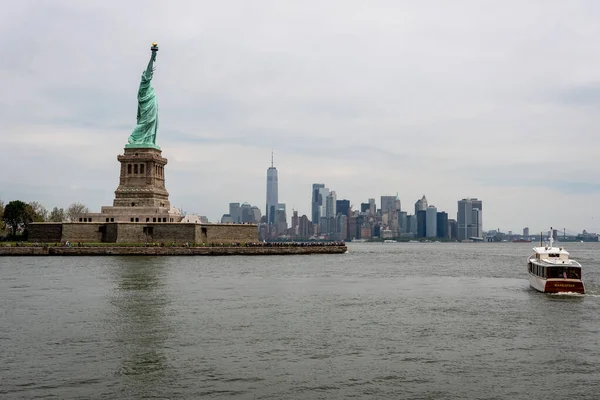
[343, 207]
[431, 222]
[421, 205]
[281, 219]
[305, 228]
[413, 224]
[317, 201]
[421, 223]
[388, 204]
[452, 229]
[234, 211]
[330, 205]
[295, 221]
[257, 215]
[469, 218]
[246, 213]
[364, 207]
[442, 225]
[322, 209]
[272, 193]
[372, 206]
[402, 221]
[390, 209]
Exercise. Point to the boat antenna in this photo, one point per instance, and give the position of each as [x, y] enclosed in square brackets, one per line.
[541, 242]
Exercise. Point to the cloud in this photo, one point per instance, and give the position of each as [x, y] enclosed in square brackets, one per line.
[450, 100]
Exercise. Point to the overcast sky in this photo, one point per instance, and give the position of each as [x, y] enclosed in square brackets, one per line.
[497, 100]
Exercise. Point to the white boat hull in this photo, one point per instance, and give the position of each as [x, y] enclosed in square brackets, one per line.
[537, 283]
[556, 285]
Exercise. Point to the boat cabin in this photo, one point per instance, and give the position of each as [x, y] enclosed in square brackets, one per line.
[552, 254]
[555, 272]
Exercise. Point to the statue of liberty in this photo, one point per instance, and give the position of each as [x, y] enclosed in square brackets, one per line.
[144, 134]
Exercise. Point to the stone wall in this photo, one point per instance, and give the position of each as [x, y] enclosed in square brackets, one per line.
[111, 233]
[128, 232]
[155, 233]
[45, 232]
[23, 251]
[90, 232]
[226, 233]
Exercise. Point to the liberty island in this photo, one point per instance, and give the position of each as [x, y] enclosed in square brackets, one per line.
[141, 212]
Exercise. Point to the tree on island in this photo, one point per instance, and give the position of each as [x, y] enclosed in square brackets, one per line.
[56, 215]
[17, 216]
[2, 226]
[75, 210]
[39, 212]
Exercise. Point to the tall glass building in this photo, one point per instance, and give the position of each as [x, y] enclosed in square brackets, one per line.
[272, 194]
[431, 222]
[316, 202]
[469, 218]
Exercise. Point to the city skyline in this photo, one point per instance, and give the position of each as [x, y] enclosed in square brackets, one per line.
[453, 101]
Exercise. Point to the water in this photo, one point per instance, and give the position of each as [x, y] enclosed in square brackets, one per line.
[402, 320]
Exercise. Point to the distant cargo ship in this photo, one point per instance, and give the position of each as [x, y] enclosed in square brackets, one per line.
[521, 241]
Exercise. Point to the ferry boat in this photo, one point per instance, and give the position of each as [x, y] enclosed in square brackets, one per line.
[552, 271]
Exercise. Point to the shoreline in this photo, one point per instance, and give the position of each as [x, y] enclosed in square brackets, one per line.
[54, 251]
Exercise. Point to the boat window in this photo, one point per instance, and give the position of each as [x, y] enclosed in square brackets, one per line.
[574, 273]
[553, 255]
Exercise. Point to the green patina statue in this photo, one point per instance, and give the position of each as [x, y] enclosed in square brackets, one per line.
[144, 134]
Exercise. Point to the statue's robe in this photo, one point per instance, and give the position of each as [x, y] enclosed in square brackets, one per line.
[147, 113]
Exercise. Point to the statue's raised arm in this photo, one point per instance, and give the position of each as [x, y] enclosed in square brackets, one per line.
[150, 68]
[144, 134]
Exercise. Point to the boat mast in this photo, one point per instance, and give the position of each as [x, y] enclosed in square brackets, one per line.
[551, 241]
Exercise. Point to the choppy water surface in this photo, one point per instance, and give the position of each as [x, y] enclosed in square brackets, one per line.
[403, 320]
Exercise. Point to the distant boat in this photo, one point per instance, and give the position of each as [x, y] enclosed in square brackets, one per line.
[476, 239]
[552, 271]
[358, 240]
[390, 241]
[521, 241]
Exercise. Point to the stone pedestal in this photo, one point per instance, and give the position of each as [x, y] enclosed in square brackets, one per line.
[142, 180]
[141, 195]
